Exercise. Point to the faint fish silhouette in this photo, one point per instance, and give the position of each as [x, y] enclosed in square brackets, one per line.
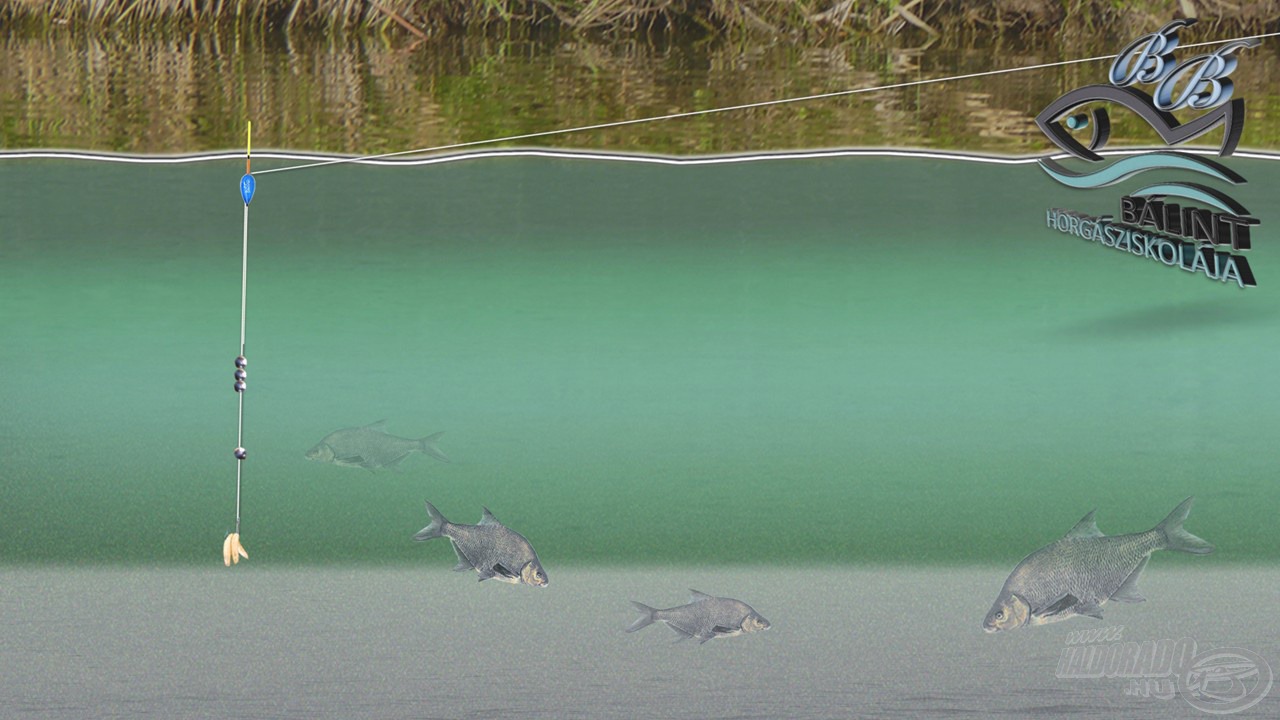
[370, 447]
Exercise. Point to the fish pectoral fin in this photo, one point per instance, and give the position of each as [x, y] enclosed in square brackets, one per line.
[485, 574]
[703, 640]
[1093, 610]
[722, 630]
[397, 460]
[350, 460]
[1128, 590]
[499, 569]
[1059, 606]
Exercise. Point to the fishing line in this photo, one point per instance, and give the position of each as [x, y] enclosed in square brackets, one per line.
[765, 103]
[244, 298]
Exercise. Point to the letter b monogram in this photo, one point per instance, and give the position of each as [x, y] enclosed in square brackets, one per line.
[1207, 85]
[1149, 58]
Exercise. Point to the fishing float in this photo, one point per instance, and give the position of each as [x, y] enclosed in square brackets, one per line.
[232, 549]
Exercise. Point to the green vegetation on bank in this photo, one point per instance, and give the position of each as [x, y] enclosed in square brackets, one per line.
[809, 17]
[148, 91]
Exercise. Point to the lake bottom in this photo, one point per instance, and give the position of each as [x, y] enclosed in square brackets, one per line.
[424, 642]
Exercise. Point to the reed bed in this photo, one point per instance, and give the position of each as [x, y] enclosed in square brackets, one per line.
[808, 17]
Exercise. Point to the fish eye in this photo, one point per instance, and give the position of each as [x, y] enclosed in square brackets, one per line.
[1000, 615]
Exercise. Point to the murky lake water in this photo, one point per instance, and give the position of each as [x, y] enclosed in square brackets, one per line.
[632, 363]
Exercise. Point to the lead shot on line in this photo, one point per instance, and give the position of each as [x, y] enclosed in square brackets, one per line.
[232, 550]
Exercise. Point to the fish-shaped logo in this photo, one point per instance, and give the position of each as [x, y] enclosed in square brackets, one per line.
[1188, 235]
[1150, 60]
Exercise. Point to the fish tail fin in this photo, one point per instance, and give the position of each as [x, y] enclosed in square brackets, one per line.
[436, 528]
[1176, 537]
[650, 614]
[428, 446]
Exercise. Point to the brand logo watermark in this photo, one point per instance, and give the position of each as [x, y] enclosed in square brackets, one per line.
[1151, 226]
[1221, 681]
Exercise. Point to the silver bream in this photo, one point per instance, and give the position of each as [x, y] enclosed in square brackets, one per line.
[1079, 573]
[492, 549]
[704, 618]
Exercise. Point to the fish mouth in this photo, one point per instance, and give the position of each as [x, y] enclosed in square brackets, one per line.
[990, 629]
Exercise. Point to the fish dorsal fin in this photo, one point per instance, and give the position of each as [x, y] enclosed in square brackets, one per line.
[1086, 528]
[377, 425]
[695, 596]
[487, 518]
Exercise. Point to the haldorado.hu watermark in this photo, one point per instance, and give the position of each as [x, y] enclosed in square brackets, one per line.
[1220, 681]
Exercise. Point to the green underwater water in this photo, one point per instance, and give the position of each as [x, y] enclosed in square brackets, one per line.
[850, 360]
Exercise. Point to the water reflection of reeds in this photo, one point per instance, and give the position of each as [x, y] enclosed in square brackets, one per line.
[366, 93]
